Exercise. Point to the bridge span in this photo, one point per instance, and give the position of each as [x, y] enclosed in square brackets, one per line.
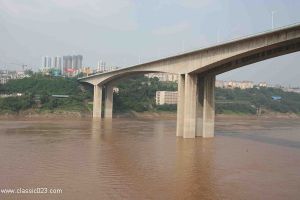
[197, 71]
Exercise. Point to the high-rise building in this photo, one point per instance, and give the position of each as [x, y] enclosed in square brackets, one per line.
[74, 62]
[101, 66]
[79, 61]
[49, 62]
[44, 62]
[59, 64]
[66, 64]
[54, 62]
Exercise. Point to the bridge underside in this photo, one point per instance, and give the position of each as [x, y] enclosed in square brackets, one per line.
[195, 108]
[251, 57]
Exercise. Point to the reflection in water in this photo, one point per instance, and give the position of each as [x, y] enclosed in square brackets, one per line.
[194, 169]
[138, 159]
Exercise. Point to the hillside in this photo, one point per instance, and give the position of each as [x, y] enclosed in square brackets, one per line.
[249, 100]
[37, 94]
[135, 94]
[138, 94]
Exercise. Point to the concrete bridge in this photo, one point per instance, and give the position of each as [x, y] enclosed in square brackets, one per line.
[197, 71]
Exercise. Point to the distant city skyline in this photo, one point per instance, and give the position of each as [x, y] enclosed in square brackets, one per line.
[124, 32]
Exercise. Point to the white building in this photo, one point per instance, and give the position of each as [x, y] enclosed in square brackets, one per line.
[6, 75]
[262, 84]
[116, 90]
[220, 84]
[44, 62]
[296, 90]
[101, 65]
[47, 62]
[235, 84]
[4, 79]
[163, 76]
[166, 97]
[57, 62]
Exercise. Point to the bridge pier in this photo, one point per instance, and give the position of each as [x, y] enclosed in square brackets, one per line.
[196, 106]
[209, 107]
[190, 93]
[97, 103]
[108, 107]
[199, 106]
[180, 105]
[206, 106]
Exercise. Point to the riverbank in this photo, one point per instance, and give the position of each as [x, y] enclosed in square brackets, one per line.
[63, 114]
[46, 114]
[173, 115]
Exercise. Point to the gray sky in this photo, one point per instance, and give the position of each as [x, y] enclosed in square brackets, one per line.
[122, 31]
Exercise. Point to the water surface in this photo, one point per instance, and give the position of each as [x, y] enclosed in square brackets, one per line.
[142, 159]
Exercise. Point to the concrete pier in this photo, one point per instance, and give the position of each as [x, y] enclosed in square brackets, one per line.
[205, 113]
[108, 104]
[97, 103]
[199, 106]
[196, 106]
[180, 105]
[209, 107]
[190, 91]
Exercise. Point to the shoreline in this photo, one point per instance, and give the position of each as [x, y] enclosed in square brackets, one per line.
[31, 115]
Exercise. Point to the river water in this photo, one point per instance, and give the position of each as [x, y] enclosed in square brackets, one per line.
[143, 159]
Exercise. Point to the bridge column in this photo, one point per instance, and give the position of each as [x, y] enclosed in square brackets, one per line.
[209, 106]
[190, 91]
[180, 105]
[206, 106]
[97, 103]
[108, 109]
[199, 106]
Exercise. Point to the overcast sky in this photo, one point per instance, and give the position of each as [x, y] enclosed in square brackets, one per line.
[122, 32]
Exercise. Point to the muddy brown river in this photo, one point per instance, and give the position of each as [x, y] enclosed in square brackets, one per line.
[143, 159]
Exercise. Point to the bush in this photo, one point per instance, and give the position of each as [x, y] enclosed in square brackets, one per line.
[167, 107]
[16, 104]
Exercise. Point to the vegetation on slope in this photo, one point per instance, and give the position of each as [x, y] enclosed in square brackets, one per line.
[138, 93]
[249, 100]
[37, 93]
[135, 93]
